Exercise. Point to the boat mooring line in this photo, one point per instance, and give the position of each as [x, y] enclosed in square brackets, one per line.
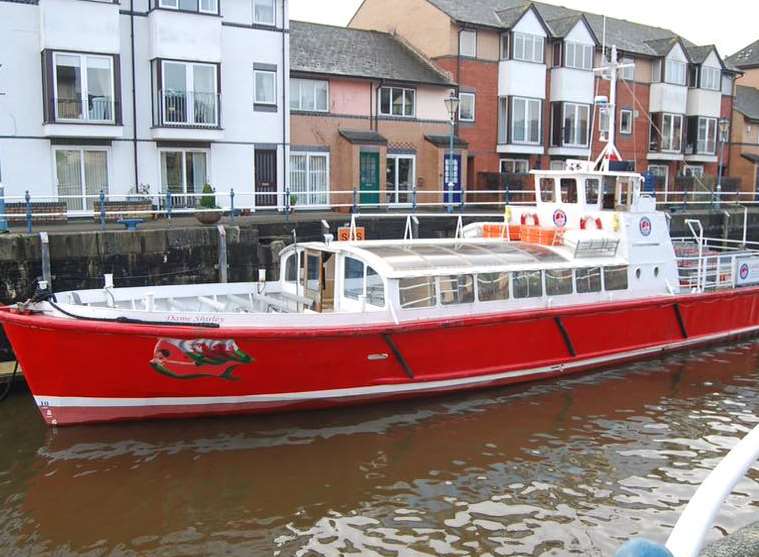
[398, 356]
[565, 336]
[680, 320]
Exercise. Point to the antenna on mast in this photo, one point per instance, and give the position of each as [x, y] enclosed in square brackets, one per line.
[610, 152]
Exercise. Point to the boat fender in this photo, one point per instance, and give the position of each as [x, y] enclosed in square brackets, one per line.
[531, 216]
[596, 221]
[507, 215]
[616, 223]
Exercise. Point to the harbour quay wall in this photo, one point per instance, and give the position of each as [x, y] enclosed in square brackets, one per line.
[183, 252]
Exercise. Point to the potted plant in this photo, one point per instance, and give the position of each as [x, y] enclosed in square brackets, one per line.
[293, 201]
[209, 212]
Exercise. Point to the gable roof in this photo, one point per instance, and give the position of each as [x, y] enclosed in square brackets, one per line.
[563, 26]
[747, 102]
[515, 15]
[330, 50]
[747, 57]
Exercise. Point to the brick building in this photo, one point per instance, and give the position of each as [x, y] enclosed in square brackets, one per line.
[528, 69]
[744, 139]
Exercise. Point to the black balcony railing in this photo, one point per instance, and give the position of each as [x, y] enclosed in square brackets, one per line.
[94, 109]
[189, 108]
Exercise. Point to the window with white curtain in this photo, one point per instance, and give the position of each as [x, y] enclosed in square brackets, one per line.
[309, 179]
[576, 120]
[81, 173]
[309, 95]
[84, 85]
[710, 78]
[672, 132]
[399, 178]
[466, 107]
[468, 43]
[264, 87]
[628, 73]
[675, 72]
[578, 55]
[525, 120]
[182, 172]
[263, 12]
[707, 136]
[528, 48]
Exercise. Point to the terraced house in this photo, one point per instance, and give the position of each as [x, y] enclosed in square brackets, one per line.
[368, 112]
[526, 69]
[744, 141]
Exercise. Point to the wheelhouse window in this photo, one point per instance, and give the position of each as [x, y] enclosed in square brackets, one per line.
[359, 280]
[265, 87]
[592, 190]
[525, 120]
[417, 292]
[468, 43]
[527, 284]
[615, 278]
[492, 287]
[707, 136]
[189, 94]
[83, 87]
[291, 268]
[263, 12]
[558, 282]
[568, 188]
[576, 120]
[625, 121]
[588, 280]
[466, 107]
[400, 175]
[397, 101]
[578, 56]
[675, 72]
[711, 78]
[515, 166]
[309, 179]
[184, 172]
[456, 289]
[672, 132]
[529, 48]
[200, 6]
[309, 95]
[547, 190]
[81, 174]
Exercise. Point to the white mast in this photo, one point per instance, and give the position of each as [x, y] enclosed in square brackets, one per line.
[610, 152]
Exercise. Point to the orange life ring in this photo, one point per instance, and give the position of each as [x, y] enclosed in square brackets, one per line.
[597, 221]
[533, 216]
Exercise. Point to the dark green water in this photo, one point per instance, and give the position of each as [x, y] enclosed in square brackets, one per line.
[558, 468]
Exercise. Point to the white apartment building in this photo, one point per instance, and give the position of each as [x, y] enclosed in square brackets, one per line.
[136, 95]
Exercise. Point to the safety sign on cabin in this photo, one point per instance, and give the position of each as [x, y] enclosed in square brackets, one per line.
[746, 270]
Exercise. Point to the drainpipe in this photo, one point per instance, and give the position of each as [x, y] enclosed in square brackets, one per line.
[458, 78]
[285, 109]
[134, 98]
[376, 112]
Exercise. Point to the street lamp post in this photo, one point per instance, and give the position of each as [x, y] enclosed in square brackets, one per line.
[452, 105]
[724, 124]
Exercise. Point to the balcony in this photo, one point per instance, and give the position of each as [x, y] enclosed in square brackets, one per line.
[187, 115]
[95, 117]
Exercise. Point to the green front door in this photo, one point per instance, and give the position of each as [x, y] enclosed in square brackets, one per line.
[369, 173]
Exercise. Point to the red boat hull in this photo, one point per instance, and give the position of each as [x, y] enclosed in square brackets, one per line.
[83, 371]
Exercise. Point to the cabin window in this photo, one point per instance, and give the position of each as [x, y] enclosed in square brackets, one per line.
[527, 284]
[592, 189]
[417, 292]
[456, 289]
[608, 192]
[362, 280]
[569, 190]
[559, 282]
[291, 268]
[375, 288]
[547, 193]
[588, 280]
[624, 191]
[313, 269]
[493, 286]
[615, 278]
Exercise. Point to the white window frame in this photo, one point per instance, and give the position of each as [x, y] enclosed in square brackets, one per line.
[474, 107]
[622, 129]
[184, 151]
[695, 170]
[527, 102]
[710, 135]
[504, 46]
[190, 91]
[514, 164]
[711, 78]
[520, 44]
[295, 93]
[84, 85]
[727, 85]
[675, 69]
[576, 129]
[273, 20]
[578, 56]
[670, 140]
[397, 157]
[272, 102]
[468, 33]
[82, 149]
[405, 90]
[310, 192]
[628, 74]
[174, 5]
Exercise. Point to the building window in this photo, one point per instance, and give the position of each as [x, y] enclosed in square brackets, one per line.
[707, 136]
[264, 87]
[263, 12]
[696, 171]
[528, 48]
[515, 166]
[309, 95]
[400, 176]
[525, 120]
[182, 172]
[727, 85]
[675, 72]
[468, 43]
[710, 78]
[603, 123]
[672, 132]
[466, 107]
[83, 88]
[661, 171]
[578, 56]
[626, 121]
[309, 179]
[396, 101]
[576, 119]
[656, 71]
[505, 46]
[81, 174]
[202, 6]
[628, 73]
[189, 94]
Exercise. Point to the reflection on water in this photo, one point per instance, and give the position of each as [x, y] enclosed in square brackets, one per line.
[574, 466]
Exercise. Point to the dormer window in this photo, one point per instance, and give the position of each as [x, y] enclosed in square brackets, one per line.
[710, 78]
[528, 48]
[675, 72]
[578, 56]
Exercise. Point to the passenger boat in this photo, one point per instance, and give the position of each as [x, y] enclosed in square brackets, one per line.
[587, 276]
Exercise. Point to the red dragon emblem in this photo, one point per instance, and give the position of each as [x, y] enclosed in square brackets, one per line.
[198, 358]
